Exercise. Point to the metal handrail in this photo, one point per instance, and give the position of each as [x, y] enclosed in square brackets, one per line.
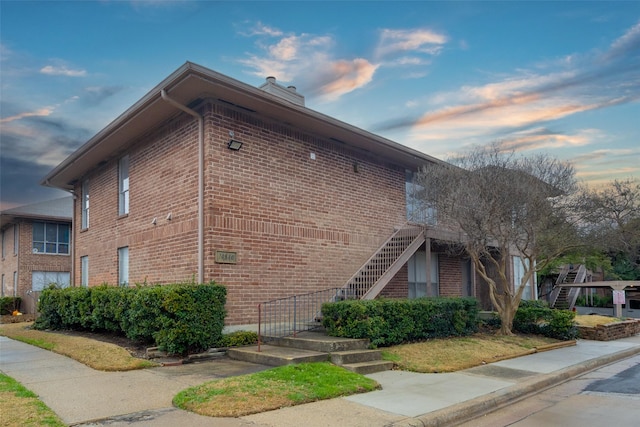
[290, 315]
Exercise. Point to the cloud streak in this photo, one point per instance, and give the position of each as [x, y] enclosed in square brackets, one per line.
[41, 112]
[515, 108]
[310, 61]
[62, 70]
[400, 41]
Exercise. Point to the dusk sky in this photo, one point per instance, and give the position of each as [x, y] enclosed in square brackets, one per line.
[561, 77]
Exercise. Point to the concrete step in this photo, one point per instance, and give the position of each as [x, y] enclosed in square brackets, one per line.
[364, 368]
[319, 341]
[355, 356]
[276, 356]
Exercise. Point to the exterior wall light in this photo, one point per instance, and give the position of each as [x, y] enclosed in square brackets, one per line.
[234, 145]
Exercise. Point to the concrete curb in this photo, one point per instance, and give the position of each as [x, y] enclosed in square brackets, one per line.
[474, 408]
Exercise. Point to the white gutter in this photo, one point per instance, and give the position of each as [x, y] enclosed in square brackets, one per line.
[188, 110]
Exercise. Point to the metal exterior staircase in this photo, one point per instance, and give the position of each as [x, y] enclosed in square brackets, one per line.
[564, 297]
[383, 265]
[290, 316]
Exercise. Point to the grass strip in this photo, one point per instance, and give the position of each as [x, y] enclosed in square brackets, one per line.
[454, 354]
[21, 407]
[593, 320]
[98, 355]
[272, 389]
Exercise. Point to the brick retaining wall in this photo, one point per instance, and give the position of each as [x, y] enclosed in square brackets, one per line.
[611, 331]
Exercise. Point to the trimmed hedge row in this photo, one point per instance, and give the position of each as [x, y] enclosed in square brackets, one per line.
[535, 317]
[388, 322]
[178, 318]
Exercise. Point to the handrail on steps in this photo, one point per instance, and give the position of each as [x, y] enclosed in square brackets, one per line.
[290, 315]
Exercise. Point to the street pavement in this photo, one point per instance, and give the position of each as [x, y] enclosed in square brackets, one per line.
[84, 397]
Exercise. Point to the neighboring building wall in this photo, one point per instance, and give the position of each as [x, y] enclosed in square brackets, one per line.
[25, 263]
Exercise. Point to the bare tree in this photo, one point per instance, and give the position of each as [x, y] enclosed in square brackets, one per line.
[616, 221]
[504, 205]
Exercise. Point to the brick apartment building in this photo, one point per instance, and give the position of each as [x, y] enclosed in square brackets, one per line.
[207, 178]
[36, 249]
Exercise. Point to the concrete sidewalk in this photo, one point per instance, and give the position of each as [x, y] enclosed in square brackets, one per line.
[83, 396]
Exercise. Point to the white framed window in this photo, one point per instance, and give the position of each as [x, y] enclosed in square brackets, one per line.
[123, 266]
[42, 279]
[418, 210]
[16, 238]
[123, 185]
[85, 204]
[15, 283]
[2, 289]
[417, 271]
[519, 264]
[84, 271]
[50, 238]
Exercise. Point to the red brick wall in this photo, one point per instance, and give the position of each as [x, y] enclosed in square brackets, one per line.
[398, 287]
[296, 224]
[162, 181]
[450, 275]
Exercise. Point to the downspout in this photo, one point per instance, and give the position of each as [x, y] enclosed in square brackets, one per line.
[72, 237]
[188, 110]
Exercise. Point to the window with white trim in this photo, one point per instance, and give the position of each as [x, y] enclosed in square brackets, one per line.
[16, 238]
[85, 204]
[84, 271]
[50, 238]
[15, 283]
[123, 186]
[2, 289]
[41, 280]
[123, 266]
[418, 210]
[519, 265]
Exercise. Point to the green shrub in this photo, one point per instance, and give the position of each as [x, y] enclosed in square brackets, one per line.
[394, 321]
[535, 317]
[238, 338]
[110, 307]
[178, 318]
[595, 301]
[9, 304]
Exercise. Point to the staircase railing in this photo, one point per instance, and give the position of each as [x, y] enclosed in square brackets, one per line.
[287, 316]
[564, 278]
[573, 294]
[380, 268]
